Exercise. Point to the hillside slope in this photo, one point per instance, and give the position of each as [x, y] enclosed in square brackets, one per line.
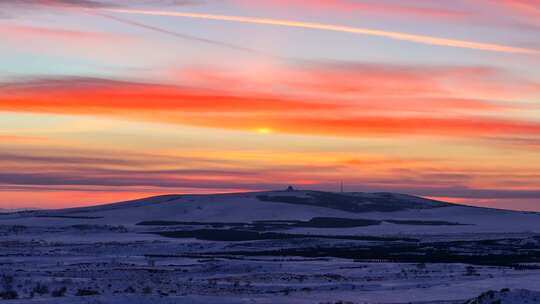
[395, 213]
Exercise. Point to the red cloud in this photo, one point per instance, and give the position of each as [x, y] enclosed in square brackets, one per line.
[92, 96]
[247, 112]
[336, 100]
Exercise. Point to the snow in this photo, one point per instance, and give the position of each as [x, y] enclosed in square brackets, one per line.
[245, 207]
[101, 249]
[518, 296]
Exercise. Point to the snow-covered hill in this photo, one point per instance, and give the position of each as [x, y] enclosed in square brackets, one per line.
[395, 213]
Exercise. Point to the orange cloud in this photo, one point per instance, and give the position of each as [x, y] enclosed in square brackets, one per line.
[248, 112]
[50, 175]
[324, 99]
[365, 89]
[371, 125]
[20, 139]
[94, 96]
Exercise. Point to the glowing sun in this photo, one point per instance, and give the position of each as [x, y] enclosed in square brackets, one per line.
[264, 130]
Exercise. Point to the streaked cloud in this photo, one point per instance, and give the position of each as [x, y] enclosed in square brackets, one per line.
[349, 79]
[488, 12]
[93, 3]
[77, 3]
[109, 172]
[352, 7]
[422, 39]
[99, 46]
[101, 106]
[20, 139]
[527, 11]
[324, 99]
[22, 32]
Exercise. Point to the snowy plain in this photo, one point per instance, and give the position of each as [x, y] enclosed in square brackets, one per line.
[270, 247]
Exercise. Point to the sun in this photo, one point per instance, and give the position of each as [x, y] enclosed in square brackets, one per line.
[264, 130]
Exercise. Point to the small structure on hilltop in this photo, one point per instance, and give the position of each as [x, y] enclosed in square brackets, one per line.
[290, 189]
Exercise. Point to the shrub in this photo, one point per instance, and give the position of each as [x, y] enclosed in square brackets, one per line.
[57, 293]
[86, 292]
[6, 282]
[147, 290]
[40, 289]
[9, 295]
[129, 290]
[470, 271]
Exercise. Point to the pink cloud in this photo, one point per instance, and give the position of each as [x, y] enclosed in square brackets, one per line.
[355, 7]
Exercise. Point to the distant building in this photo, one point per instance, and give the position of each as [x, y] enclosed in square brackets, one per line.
[290, 189]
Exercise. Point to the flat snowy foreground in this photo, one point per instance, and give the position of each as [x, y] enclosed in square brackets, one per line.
[118, 272]
[180, 250]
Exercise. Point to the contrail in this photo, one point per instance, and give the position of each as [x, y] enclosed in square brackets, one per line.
[430, 40]
[180, 35]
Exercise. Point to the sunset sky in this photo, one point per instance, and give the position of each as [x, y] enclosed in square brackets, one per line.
[102, 101]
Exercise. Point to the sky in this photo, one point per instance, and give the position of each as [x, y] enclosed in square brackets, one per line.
[104, 101]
